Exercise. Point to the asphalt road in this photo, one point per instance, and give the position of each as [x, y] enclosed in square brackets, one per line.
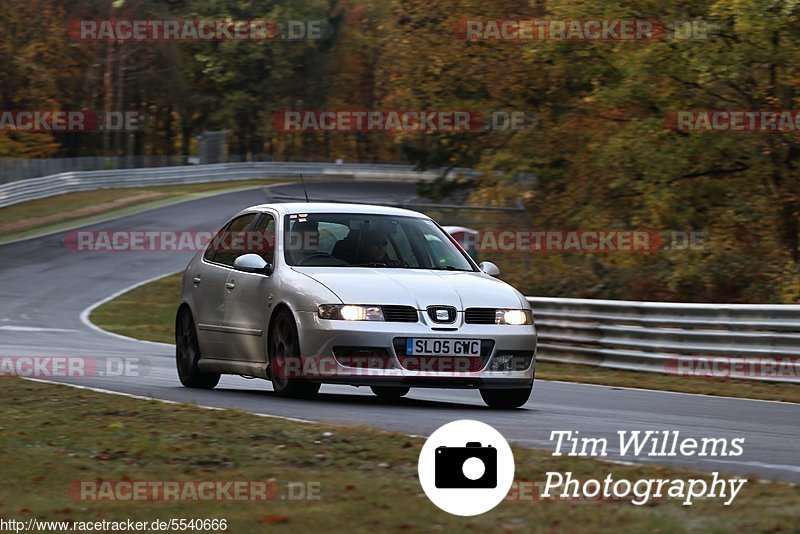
[44, 288]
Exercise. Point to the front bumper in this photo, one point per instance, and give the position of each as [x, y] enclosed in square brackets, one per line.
[322, 342]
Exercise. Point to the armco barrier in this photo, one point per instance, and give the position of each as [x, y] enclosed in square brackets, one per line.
[70, 182]
[650, 336]
[643, 336]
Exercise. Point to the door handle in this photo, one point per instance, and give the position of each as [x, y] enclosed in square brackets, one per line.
[230, 285]
[196, 280]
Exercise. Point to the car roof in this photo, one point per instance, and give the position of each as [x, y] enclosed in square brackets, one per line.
[456, 229]
[287, 208]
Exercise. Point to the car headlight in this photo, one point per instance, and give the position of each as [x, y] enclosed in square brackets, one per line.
[514, 317]
[351, 312]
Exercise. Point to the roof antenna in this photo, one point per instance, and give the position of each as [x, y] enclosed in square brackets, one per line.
[304, 187]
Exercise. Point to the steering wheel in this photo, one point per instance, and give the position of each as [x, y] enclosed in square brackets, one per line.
[320, 255]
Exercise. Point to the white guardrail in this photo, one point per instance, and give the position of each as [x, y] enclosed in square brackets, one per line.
[721, 340]
[70, 182]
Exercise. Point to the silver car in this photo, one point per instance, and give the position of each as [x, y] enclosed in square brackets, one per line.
[310, 293]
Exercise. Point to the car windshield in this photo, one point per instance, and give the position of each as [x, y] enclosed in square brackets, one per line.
[366, 240]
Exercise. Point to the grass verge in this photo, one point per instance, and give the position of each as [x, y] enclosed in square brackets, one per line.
[148, 312]
[52, 213]
[53, 436]
[729, 387]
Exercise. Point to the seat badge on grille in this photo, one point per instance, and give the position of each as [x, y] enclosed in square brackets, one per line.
[442, 314]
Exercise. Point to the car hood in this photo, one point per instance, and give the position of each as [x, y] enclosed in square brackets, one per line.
[418, 288]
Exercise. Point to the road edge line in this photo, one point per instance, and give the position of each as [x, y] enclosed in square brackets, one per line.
[167, 401]
[84, 315]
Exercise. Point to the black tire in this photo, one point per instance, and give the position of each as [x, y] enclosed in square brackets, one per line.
[389, 392]
[284, 353]
[506, 399]
[187, 354]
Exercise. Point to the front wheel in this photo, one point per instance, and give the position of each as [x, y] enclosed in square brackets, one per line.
[506, 399]
[187, 354]
[285, 361]
[389, 392]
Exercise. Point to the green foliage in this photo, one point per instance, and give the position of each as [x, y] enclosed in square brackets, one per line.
[600, 150]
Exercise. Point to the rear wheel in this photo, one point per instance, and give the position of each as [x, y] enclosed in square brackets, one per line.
[389, 392]
[187, 354]
[506, 399]
[285, 362]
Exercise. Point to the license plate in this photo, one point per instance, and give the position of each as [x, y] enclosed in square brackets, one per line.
[443, 347]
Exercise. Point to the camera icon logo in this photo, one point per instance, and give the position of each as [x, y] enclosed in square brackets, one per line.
[472, 466]
[462, 476]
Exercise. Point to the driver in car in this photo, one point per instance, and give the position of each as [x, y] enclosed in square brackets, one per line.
[373, 248]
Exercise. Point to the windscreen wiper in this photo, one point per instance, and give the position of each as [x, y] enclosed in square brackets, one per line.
[448, 268]
[371, 264]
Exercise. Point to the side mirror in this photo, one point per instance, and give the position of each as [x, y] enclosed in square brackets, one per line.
[252, 263]
[489, 268]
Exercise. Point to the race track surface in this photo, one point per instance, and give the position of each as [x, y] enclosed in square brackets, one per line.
[44, 288]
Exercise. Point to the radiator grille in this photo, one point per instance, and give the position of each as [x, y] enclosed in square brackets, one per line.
[400, 314]
[479, 316]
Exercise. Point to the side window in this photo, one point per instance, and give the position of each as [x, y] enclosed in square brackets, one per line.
[261, 239]
[231, 241]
